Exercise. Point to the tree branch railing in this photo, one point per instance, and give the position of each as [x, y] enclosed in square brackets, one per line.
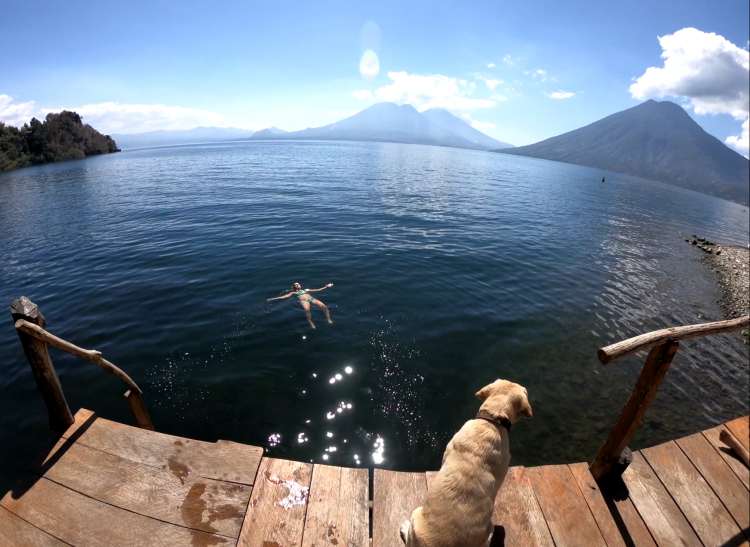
[30, 323]
[663, 345]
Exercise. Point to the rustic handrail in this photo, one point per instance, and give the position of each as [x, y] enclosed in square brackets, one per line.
[627, 347]
[90, 355]
[664, 345]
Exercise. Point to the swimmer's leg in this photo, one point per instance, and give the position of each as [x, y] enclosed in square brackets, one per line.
[306, 307]
[325, 309]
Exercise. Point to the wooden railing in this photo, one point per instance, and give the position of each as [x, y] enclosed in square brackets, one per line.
[664, 344]
[30, 323]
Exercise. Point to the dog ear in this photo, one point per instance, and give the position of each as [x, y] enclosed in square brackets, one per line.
[483, 393]
[526, 411]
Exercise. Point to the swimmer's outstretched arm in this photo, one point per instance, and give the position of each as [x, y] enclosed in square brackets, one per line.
[320, 289]
[281, 297]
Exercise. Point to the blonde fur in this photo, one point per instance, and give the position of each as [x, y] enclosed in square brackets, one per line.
[460, 501]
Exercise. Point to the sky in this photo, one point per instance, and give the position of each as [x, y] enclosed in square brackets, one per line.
[519, 71]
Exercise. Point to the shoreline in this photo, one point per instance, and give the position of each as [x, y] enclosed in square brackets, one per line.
[731, 267]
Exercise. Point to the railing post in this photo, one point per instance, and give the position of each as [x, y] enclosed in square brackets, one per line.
[60, 417]
[138, 408]
[654, 370]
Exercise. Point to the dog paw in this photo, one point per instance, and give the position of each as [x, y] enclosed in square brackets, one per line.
[404, 531]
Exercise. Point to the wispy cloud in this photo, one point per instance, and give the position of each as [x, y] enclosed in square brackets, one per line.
[435, 91]
[363, 94]
[491, 65]
[560, 95]
[491, 83]
[15, 114]
[508, 60]
[708, 70]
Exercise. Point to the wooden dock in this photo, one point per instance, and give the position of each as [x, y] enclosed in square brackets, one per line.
[105, 484]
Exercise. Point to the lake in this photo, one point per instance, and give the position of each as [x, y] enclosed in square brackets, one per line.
[451, 268]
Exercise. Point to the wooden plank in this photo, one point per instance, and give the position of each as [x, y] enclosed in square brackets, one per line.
[276, 514]
[16, 532]
[163, 494]
[654, 370]
[658, 510]
[597, 505]
[567, 514]
[517, 510]
[84, 522]
[395, 496]
[731, 459]
[741, 429]
[338, 512]
[635, 528]
[719, 476]
[223, 460]
[703, 510]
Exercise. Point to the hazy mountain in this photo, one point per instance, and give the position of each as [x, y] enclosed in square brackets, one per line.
[181, 136]
[269, 133]
[456, 125]
[387, 122]
[654, 140]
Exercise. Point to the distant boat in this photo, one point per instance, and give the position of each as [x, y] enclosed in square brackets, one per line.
[602, 179]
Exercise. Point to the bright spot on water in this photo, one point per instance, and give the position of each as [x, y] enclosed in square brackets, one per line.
[377, 455]
[330, 415]
[274, 439]
[348, 370]
[304, 337]
[332, 381]
[325, 456]
[329, 434]
[348, 405]
[369, 66]
[338, 376]
[315, 375]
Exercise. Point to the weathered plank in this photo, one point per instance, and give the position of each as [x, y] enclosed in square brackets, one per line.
[739, 468]
[16, 532]
[276, 514]
[164, 494]
[223, 460]
[338, 511]
[517, 510]
[597, 505]
[654, 370]
[658, 510]
[635, 528]
[719, 476]
[395, 496]
[567, 514]
[741, 429]
[81, 521]
[703, 510]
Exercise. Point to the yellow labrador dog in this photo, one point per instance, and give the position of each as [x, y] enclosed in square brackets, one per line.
[459, 504]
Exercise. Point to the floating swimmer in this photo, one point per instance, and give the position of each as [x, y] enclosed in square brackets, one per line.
[306, 300]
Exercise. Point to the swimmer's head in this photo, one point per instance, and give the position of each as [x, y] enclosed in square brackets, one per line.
[297, 287]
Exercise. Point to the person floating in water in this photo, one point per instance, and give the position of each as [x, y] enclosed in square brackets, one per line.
[306, 299]
[603, 179]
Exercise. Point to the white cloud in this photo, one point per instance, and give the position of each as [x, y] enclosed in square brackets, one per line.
[425, 92]
[492, 84]
[707, 70]
[508, 60]
[741, 143]
[15, 114]
[137, 118]
[560, 95]
[541, 74]
[480, 125]
[499, 97]
[491, 65]
[364, 94]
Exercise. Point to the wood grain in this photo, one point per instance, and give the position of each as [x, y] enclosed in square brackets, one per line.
[674, 334]
[81, 521]
[740, 428]
[658, 510]
[276, 514]
[223, 460]
[16, 532]
[719, 476]
[338, 512]
[597, 505]
[698, 502]
[395, 496]
[654, 370]
[567, 514]
[635, 528]
[739, 468]
[161, 493]
[517, 510]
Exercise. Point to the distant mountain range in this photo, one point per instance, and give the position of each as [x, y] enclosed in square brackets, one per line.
[181, 136]
[654, 140]
[269, 133]
[389, 122]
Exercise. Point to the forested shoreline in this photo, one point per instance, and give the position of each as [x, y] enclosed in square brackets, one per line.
[59, 137]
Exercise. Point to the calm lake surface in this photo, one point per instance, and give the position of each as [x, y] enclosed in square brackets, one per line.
[451, 268]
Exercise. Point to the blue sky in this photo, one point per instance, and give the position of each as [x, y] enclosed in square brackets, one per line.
[137, 66]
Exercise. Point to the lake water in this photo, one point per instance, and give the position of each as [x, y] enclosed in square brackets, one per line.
[451, 268]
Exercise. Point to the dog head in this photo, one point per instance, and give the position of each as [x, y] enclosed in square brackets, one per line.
[504, 398]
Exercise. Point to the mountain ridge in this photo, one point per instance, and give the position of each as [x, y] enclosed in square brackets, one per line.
[166, 137]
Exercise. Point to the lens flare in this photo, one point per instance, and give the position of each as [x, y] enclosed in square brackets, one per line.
[369, 66]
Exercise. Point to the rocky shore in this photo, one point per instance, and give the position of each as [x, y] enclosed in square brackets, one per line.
[732, 268]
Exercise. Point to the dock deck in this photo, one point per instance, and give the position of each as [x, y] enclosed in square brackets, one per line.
[106, 484]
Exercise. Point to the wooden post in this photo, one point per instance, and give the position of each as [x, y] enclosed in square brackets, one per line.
[60, 417]
[135, 401]
[657, 364]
